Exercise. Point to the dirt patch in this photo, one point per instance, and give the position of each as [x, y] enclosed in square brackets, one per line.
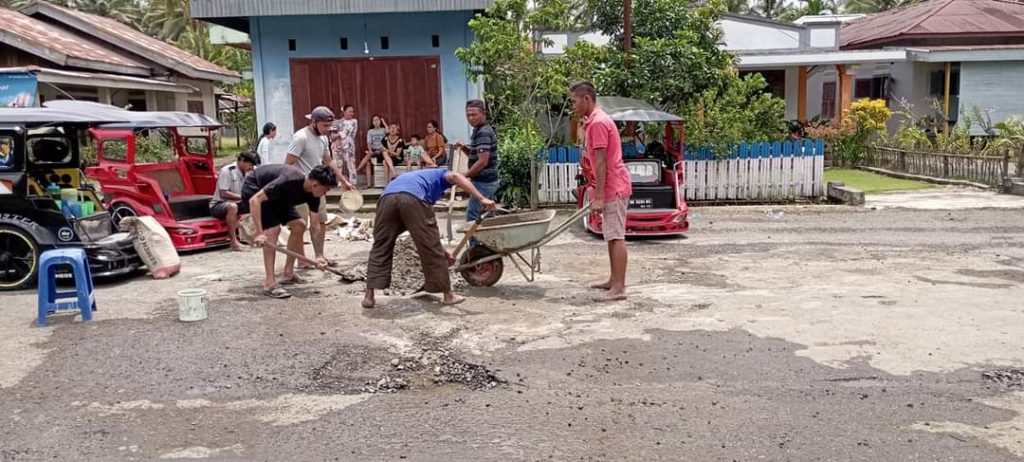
[431, 362]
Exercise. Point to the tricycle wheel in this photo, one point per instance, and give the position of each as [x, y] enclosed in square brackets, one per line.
[19, 259]
[485, 274]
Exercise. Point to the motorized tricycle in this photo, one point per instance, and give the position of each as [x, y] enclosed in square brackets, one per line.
[45, 201]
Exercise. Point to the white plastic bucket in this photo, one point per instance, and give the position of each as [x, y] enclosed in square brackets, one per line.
[192, 305]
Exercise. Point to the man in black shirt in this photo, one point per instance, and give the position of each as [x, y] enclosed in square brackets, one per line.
[483, 157]
[271, 193]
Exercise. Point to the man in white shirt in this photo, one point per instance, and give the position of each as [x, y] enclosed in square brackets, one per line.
[309, 148]
[224, 205]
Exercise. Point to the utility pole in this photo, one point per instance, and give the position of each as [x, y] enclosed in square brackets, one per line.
[627, 25]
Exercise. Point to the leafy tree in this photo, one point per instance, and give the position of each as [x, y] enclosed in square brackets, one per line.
[810, 8]
[522, 86]
[741, 111]
[737, 6]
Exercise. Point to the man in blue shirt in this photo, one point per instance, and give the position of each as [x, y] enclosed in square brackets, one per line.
[407, 205]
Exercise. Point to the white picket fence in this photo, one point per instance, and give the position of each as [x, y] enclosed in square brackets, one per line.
[751, 172]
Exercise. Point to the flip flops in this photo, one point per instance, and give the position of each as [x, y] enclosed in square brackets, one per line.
[294, 279]
[276, 292]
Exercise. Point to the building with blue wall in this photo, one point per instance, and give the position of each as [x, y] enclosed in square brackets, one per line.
[393, 58]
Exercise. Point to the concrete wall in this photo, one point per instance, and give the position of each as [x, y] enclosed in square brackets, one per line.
[747, 36]
[319, 37]
[993, 85]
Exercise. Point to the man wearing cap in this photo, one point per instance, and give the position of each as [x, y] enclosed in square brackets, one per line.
[224, 204]
[309, 148]
[483, 157]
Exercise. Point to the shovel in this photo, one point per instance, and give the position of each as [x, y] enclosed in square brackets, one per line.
[304, 259]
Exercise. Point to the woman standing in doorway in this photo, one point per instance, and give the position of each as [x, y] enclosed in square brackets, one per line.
[394, 145]
[436, 145]
[263, 145]
[375, 147]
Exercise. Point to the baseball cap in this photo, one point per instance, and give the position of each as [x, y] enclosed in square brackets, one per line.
[321, 114]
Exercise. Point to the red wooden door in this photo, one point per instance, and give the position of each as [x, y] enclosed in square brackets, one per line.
[406, 90]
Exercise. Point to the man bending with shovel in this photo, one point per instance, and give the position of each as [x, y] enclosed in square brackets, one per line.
[271, 193]
[407, 205]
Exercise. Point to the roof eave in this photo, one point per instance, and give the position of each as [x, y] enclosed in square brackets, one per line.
[74, 22]
[99, 66]
[771, 61]
[210, 10]
[879, 42]
[63, 59]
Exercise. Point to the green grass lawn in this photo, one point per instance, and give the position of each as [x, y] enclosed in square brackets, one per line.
[872, 183]
[229, 148]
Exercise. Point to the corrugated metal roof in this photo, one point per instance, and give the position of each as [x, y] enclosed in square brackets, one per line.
[61, 46]
[134, 41]
[954, 18]
[209, 9]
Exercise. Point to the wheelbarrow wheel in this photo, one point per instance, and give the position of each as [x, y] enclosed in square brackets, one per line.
[485, 274]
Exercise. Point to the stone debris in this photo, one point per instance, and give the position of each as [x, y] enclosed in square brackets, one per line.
[356, 230]
[1010, 378]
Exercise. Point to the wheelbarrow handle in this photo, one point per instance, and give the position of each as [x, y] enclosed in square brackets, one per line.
[470, 232]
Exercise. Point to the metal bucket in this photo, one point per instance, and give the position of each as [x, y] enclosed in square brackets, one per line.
[192, 305]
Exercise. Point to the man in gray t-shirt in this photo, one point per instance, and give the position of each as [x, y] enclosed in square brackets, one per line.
[309, 148]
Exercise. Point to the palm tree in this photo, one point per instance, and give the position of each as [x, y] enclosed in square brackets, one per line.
[167, 19]
[770, 9]
[811, 8]
[123, 11]
[876, 6]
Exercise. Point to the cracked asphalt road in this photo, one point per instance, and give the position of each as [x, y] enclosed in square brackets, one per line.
[831, 333]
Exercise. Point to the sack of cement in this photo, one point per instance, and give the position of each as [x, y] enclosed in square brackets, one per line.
[247, 229]
[154, 246]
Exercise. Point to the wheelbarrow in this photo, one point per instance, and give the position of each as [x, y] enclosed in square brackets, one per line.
[508, 236]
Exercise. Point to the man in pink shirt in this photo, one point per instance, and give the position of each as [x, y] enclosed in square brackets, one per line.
[613, 187]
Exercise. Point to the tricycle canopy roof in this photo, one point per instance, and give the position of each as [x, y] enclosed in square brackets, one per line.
[633, 110]
[31, 117]
[135, 119]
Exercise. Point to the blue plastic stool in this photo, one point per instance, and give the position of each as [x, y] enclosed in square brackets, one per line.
[50, 300]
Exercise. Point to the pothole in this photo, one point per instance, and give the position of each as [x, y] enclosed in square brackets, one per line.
[432, 361]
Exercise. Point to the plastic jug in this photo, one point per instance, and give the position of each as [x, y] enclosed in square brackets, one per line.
[69, 196]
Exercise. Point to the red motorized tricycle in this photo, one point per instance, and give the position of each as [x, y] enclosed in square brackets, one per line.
[658, 204]
[159, 164]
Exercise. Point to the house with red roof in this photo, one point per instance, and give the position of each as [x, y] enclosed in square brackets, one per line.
[50, 52]
[960, 55]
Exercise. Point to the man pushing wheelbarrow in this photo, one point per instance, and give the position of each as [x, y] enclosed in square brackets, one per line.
[407, 205]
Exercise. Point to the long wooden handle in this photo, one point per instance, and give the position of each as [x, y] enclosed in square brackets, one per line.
[302, 258]
[468, 236]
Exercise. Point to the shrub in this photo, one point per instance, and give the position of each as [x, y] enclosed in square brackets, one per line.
[518, 147]
[850, 139]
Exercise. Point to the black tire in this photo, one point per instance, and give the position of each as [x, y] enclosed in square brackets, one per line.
[485, 274]
[19, 259]
[119, 212]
